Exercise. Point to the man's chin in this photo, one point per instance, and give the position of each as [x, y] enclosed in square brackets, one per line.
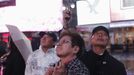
[61, 55]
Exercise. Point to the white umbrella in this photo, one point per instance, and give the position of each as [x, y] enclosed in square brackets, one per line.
[21, 41]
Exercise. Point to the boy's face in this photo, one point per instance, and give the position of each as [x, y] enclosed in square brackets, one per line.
[47, 41]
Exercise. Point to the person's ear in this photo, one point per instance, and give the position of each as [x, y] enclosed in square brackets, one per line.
[76, 49]
[92, 36]
[109, 41]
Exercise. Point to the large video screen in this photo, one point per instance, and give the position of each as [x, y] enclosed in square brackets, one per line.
[93, 11]
[122, 10]
[32, 15]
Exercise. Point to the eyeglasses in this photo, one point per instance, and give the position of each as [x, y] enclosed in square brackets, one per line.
[63, 42]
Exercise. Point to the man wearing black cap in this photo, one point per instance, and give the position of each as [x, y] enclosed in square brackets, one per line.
[40, 60]
[98, 60]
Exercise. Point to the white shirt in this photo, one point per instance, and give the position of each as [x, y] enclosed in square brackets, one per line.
[39, 61]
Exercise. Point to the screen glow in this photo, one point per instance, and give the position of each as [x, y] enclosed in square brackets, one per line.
[33, 15]
[93, 11]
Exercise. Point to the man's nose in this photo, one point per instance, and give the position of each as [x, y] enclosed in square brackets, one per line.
[100, 34]
[58, 44]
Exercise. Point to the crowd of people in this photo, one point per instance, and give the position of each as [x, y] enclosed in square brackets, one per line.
[64, 54]
[68, 55]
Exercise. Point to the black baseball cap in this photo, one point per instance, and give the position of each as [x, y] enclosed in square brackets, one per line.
[99, 28]
[51, 34]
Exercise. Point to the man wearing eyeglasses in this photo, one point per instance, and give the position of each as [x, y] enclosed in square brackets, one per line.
[69, 47]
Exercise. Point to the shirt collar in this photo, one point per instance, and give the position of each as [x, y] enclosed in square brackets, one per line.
[72, 62]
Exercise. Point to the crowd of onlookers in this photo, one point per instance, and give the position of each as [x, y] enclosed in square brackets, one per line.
[64, 54]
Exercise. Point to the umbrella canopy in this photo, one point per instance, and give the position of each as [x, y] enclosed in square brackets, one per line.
[21, 41]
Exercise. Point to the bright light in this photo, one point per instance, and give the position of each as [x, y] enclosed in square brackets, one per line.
[33, 15]
[64, 8]
[93, 11]
[72, 5]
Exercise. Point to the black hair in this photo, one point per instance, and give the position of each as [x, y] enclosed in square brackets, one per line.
[76, 40]
[51, 34]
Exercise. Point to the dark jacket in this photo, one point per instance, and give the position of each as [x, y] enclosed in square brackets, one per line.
[102, 65]
[14, 64]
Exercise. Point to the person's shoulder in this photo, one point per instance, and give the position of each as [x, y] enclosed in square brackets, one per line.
[85, 57]
[52, 49]
[116, 61]
[86, 54]
[118, 65]
[81, 67]
[34, 53]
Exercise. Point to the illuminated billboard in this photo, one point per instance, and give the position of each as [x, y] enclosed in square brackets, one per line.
[122, 10]
[93, 11]
[33, 15]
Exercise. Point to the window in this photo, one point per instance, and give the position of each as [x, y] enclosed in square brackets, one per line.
[127, 4]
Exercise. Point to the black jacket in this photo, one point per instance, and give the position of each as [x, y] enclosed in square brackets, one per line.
[102, 65]
[14, 64]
